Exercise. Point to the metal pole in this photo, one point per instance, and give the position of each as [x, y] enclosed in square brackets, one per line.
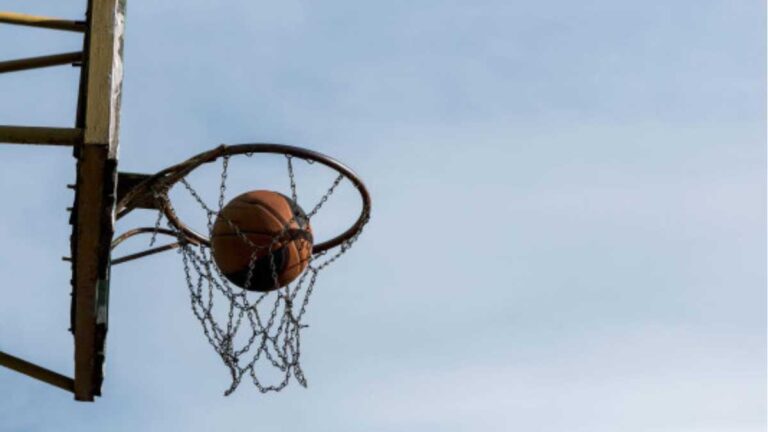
[40, 62]
[37, 372]
[43, 22]
[40, 135]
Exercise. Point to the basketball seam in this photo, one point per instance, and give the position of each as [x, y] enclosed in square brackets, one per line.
[300, 263]
[269, 209]
[269, 234]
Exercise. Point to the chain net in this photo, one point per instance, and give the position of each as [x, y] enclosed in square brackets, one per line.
[257, 335]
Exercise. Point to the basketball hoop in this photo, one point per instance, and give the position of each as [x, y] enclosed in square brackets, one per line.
[256, 334]
[258, 266]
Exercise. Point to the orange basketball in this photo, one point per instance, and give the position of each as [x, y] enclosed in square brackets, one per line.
[261, 233]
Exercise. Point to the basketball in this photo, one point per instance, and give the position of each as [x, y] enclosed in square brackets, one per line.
[267, 228]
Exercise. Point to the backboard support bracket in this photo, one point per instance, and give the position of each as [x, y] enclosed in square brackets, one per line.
[40, 135]
[40, 62]
[37, 372]
[41, 22]
[127, 181]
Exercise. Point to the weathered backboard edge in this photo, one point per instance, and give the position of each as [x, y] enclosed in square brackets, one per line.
[93, 211]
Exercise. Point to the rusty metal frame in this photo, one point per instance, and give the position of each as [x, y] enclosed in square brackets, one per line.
[40, 62]
[42, 22]
[40, 135]
[39, 373]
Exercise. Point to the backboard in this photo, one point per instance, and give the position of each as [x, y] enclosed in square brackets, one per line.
[92, 217]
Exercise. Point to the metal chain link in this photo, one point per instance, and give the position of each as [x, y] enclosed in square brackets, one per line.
[157, 228]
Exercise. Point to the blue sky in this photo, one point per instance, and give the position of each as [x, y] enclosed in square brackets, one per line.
[568, 228]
